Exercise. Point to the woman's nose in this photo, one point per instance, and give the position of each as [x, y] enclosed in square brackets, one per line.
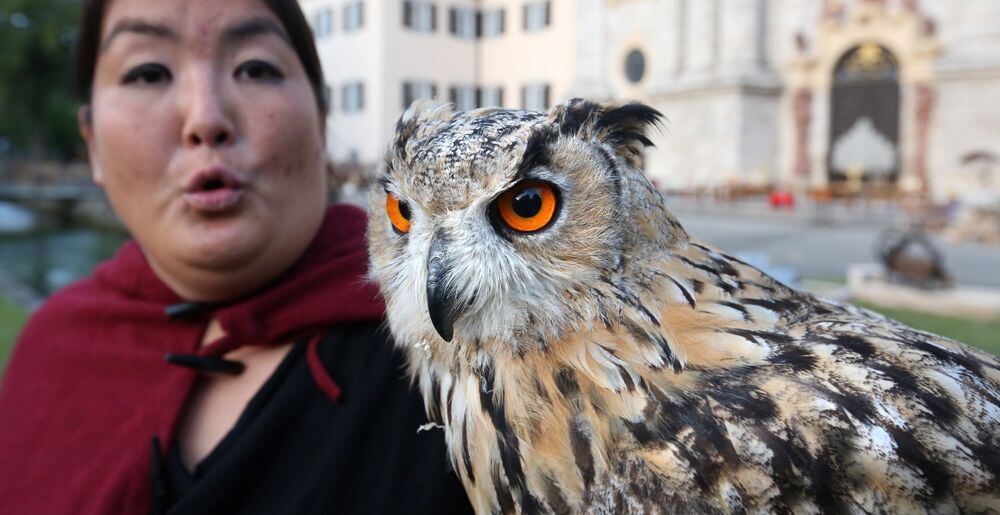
[208, 119]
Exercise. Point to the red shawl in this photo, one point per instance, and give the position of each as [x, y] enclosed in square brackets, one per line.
[87, 387]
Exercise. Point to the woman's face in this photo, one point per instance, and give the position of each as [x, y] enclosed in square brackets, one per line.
[205, 134]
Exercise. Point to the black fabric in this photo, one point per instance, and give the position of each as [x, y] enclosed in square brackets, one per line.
[295, 451]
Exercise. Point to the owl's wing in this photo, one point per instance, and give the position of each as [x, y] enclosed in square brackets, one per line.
[744, 391]
[704, 386]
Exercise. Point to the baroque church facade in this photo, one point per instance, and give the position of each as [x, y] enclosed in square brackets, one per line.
[832, 97]
[888, 96]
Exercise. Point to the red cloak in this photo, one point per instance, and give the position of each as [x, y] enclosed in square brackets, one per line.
[88, 387]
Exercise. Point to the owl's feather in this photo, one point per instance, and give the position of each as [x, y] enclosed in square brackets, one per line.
[612, 364]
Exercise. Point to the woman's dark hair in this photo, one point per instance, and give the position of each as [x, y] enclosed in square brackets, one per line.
[287, 11]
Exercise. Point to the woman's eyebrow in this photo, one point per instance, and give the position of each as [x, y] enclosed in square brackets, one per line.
[236, 33]
[139, 27]
[253, 27]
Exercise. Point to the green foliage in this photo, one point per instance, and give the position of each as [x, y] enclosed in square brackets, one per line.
[37, 106]
[984, 334]
[12, 318]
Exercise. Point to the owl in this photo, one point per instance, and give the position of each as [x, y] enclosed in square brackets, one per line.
[583, 353]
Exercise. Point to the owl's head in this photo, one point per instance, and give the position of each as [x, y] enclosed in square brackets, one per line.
[491, 227]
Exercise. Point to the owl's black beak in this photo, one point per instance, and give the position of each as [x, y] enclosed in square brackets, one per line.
[441, 302]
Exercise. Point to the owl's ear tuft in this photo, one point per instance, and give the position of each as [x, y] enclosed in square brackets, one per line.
[574, 115]
[623, 127]
[419, 112]
[626, 126]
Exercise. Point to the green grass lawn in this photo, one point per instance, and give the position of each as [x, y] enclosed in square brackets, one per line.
[12, 318]
[984, 334]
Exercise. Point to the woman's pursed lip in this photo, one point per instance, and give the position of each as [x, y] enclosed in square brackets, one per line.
[214, 201]
[213, 190]
[213, 175]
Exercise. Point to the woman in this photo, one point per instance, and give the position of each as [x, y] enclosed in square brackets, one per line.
[228, 360]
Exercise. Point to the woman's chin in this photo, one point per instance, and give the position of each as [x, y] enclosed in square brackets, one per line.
[224, 245]
[233, 253]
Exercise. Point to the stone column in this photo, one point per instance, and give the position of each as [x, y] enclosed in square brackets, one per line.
[701, 46]
[802, 110]
[738, 37]
[680, 27]
[925, 107]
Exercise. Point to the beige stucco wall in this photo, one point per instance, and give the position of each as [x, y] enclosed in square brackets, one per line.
[967, 120]
[439, 57]
[539, 57]
[384, 55]
[966, 117]
[348, 57]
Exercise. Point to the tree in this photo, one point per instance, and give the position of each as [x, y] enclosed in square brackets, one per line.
[37, 106]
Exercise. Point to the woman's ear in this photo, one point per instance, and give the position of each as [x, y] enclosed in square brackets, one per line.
[85, 122]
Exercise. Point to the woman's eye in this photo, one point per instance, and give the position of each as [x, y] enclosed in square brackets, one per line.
[259, 71]
[149, 73]
[529, 206]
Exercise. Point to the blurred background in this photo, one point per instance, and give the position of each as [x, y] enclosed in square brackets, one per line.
[851, 148]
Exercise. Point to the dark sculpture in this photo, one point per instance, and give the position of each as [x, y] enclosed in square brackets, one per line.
[910, 258]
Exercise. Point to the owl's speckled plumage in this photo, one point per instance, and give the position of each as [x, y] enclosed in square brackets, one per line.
[609, 363]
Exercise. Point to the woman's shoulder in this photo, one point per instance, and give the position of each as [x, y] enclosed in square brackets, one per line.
[64, 311]
[48, 345]
[86, 311]
[369, 371]
[399, 461]
[361, 352]
[93, 299]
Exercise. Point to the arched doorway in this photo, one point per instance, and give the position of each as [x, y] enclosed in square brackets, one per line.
[864, 119]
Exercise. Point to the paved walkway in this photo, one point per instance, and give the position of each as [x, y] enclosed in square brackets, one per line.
[824, 251]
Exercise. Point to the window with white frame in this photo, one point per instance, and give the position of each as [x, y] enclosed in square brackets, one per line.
[462, 22]
[322, 23]
[413, 90]
[490, 96]
[352, 97]
[491, 23]
[537, 15]
[463, 97]
[420, 16]
[354, 16]
[535, 97]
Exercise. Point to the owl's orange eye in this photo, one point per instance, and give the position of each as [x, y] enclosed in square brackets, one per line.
[399, 213]
[529, 206]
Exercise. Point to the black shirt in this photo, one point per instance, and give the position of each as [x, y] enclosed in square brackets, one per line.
[293, 450]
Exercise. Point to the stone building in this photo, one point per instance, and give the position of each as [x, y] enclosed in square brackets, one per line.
[830, 96]
[380, 55]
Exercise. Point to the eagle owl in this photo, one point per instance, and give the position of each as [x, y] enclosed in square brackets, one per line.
[583, 353]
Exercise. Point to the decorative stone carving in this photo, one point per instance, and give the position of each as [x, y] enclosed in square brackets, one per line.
[802, 107]
[906, 32]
